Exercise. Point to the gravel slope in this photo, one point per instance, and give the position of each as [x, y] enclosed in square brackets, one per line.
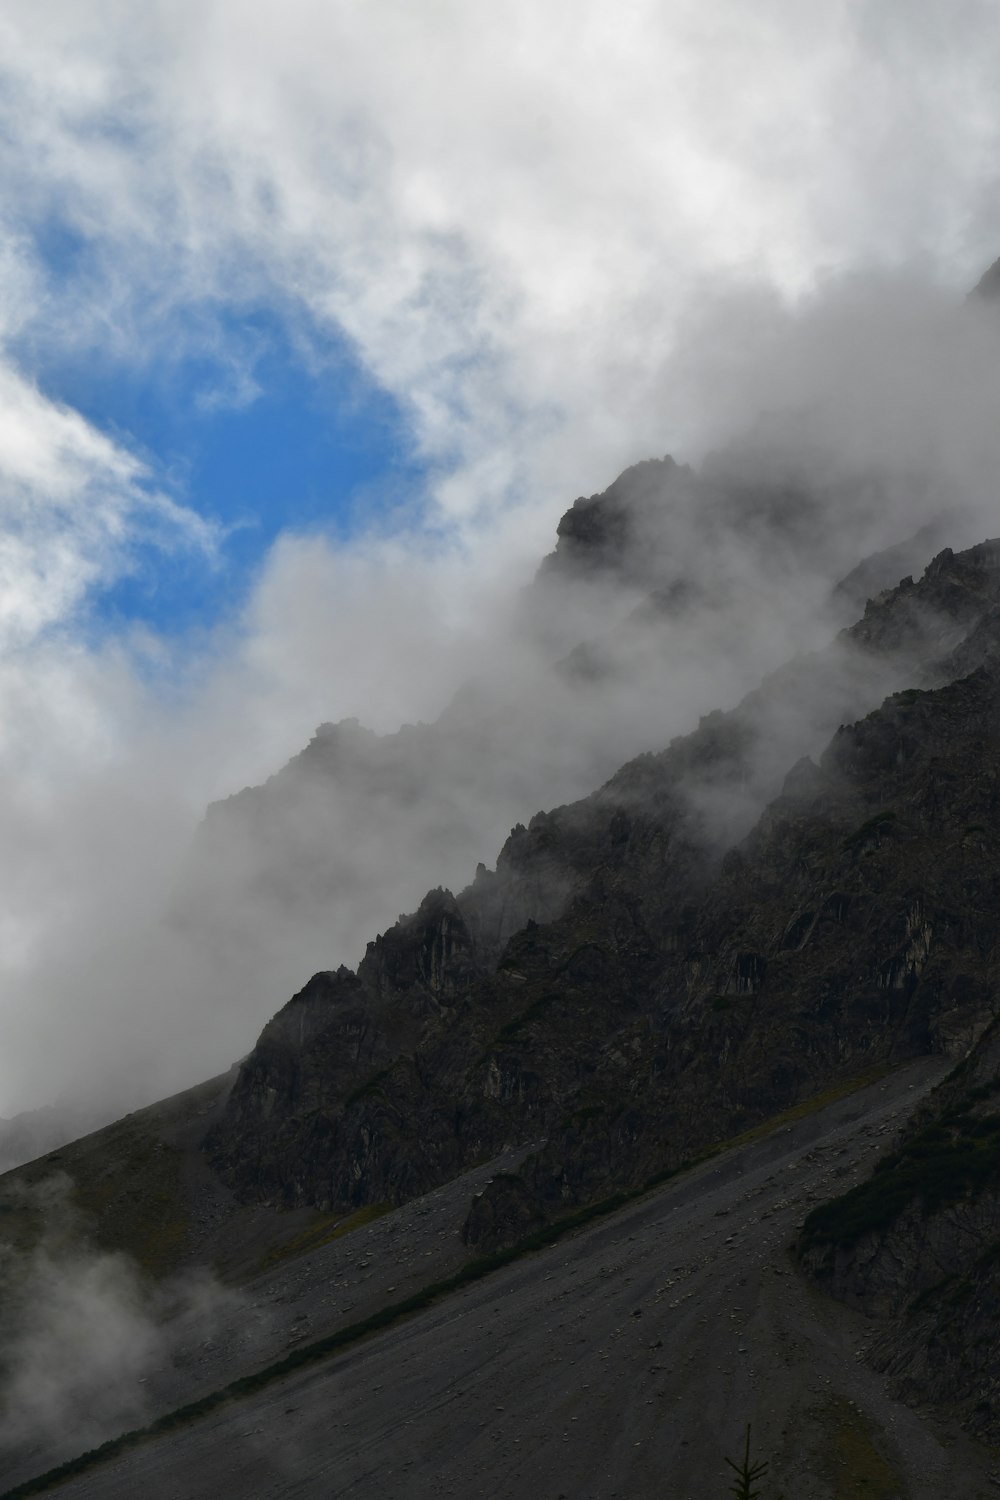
[229, 1330]
[621, 1362]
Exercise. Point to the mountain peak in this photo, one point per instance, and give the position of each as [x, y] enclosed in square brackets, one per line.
[988, 285]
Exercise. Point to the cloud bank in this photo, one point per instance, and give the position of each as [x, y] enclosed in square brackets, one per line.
[561, 238]
[85, 1330]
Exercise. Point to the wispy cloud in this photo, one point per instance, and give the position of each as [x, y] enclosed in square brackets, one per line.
[85, 1330]
[74, 506]
[506, 211]
[561, 237]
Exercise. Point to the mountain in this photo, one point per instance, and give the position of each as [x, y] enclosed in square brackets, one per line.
[917, 1245]
[667, 595]
[718, 930]
[684, 954]
[988, 285]
[761, 928]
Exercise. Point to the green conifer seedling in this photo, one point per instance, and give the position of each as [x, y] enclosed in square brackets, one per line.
[747, 1475]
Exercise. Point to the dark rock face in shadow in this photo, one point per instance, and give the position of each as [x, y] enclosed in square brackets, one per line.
[917, 1245]
[720, 930]
[669, 576]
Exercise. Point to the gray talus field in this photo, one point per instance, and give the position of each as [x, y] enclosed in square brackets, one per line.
[620, 1362]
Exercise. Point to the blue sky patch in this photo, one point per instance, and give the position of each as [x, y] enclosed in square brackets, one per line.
[249, 431]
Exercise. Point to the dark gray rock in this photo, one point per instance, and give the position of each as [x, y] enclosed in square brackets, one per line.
[697, 945]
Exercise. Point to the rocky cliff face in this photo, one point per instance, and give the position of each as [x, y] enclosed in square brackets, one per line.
[720, 930]
[665, 595]
[918, 1245]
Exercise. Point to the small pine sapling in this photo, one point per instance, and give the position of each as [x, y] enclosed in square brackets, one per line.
[747, 1475]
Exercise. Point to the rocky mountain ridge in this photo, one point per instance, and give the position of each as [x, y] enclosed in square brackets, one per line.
[667, 960]
[917, 1247]
[796, 894]
[723, 929]
[667, 594]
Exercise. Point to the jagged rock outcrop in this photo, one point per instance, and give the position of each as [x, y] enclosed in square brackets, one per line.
[881, 571]
[669, 592]
[917, 1246]
[720, 929]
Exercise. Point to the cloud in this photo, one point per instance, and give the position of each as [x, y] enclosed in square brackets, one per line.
[74, 509]
[887, 374]
[111, 752]
[562, 237]
[505, 212]
[84, 1331]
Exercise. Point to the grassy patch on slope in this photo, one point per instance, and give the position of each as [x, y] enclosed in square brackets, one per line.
[135, 1200]
[954, 1157]
[320, 1349]
[851, 1455]
[327, 1228]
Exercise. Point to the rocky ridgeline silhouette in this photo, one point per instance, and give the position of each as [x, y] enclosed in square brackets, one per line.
[779, 901]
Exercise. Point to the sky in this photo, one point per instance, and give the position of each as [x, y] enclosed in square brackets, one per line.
[315, 316]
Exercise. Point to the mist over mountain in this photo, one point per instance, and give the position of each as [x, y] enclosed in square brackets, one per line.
[790, 900]
[666, 595]
[490, 1016]
[731, 750]
[499, 750]
[816, 436]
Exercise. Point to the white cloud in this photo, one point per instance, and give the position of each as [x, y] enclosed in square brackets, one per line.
[73, 506]
[504, 208]
[562, 236]
[86, 1331]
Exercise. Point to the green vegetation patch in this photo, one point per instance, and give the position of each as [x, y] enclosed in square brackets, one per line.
[306, 1354]
[137, 1202]
[851, 1455]
[515, 1028]
[370, 1086]
[870, 832]
[322, 1231]
[475, 1270]
[954, 1157]
[805, 1107]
